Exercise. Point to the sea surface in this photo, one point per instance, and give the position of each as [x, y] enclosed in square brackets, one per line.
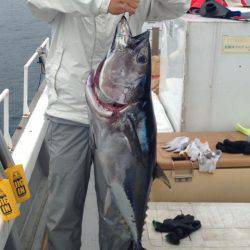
[20, 35]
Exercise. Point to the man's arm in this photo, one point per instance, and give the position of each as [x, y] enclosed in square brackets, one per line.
[157, 10]
[166, 9]
[48, 9]
[40, 10]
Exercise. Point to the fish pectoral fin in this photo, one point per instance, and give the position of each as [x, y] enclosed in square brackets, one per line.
[159, 174]
[107, 201]
[133, 140]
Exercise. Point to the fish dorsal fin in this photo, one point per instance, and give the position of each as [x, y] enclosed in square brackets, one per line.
[133, 140]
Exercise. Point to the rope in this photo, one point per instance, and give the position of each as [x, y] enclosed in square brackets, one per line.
[41, 61]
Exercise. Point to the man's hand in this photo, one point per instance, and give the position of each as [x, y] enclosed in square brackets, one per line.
[117, 7]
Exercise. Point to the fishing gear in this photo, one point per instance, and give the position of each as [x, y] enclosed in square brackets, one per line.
[42, 61]
[14, 173]
[8, 206]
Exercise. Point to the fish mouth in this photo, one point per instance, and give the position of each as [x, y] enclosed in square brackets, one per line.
[102, 108]
[112, 107]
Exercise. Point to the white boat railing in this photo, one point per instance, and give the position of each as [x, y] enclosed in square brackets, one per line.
[27, 148]
[43, 48]
[5, 98]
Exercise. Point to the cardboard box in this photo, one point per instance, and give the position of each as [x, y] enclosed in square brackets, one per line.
[229, 183]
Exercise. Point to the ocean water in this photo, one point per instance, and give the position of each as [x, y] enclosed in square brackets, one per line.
[20, 35]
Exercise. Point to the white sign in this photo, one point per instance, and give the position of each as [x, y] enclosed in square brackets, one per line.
[236, 44]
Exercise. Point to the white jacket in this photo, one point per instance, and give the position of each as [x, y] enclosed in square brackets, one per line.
[82, 32]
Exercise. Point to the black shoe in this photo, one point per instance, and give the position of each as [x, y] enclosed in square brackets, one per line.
[182, 231]
[169, 225]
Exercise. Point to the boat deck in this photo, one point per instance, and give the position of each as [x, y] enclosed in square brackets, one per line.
[224, 225]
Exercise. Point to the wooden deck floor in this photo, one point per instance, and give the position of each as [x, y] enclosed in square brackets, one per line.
[224, 225]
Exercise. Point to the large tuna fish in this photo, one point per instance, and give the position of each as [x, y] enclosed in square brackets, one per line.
[124, 137]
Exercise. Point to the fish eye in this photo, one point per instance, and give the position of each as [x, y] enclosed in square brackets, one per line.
[142, 59]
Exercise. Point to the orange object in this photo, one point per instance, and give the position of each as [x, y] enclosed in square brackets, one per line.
[196, 4]
[18, 183]
[8, 206]
[245, 3]
[155, 66]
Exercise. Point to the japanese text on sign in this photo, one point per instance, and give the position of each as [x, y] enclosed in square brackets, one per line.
[236, 44]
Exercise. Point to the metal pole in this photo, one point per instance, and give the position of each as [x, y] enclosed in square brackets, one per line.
[26, 111]
[5, 98]
[155, 41]
[6, 122]
[5, 155]
[47, 46]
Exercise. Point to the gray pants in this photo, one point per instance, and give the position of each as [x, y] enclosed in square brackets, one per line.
[70, 163]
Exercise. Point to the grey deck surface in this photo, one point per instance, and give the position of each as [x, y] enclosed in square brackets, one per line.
[224, 225]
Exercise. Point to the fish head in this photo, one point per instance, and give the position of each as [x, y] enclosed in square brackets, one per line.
[124, 74]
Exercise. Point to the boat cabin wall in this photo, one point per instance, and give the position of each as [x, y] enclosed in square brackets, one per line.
[205, 72]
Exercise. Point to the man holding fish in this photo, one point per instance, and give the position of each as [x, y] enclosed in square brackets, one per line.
[82, 34]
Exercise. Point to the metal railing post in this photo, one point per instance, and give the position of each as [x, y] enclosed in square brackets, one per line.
[47, 45]
[44, 45]
[5, 98]
[26, 111]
